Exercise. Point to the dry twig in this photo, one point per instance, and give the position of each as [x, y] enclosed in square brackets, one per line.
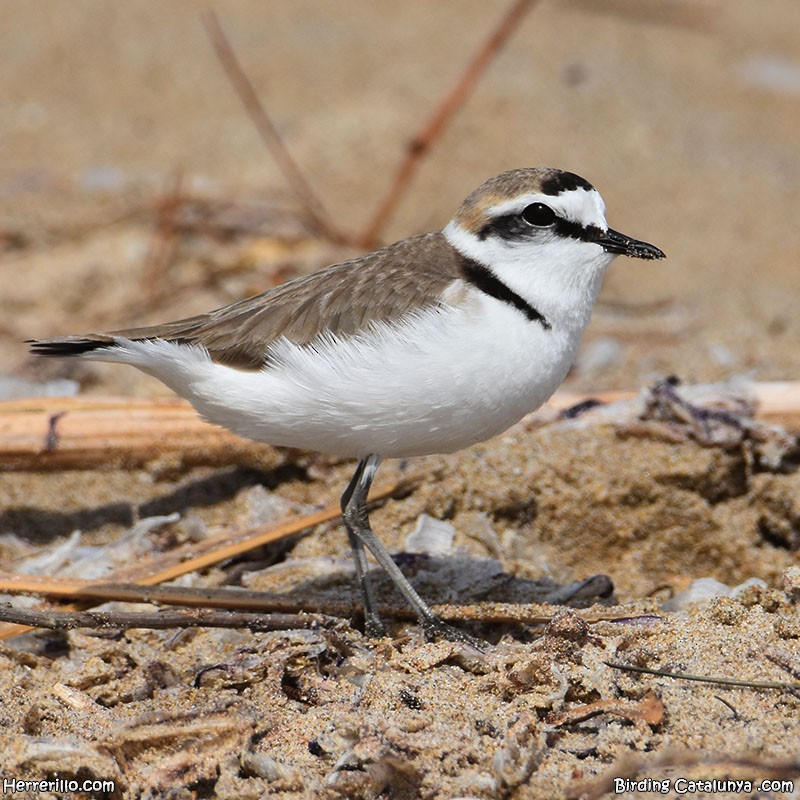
[171, 618]
[316, 215]
[236, 598]
[420, 144]
[685, 676]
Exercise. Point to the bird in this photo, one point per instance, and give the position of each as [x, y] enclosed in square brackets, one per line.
[426, 346]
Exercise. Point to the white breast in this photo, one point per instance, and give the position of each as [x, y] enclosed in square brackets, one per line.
[441, 380]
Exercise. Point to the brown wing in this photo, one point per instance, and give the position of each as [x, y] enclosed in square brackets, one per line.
[342, 299]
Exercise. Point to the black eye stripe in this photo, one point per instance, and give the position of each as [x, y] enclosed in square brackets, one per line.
[510, 226]
[513, 228]
[574, 230]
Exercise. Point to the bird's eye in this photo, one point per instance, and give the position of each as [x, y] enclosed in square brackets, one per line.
[538, 214]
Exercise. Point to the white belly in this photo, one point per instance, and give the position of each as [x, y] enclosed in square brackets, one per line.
[441, 381]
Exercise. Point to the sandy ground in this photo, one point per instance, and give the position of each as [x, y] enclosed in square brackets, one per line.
[691, 135]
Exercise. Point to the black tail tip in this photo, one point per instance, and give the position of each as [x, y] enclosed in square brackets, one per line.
[64, 347]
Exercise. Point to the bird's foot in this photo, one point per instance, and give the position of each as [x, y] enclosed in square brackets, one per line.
[435, 628]
[373, 626]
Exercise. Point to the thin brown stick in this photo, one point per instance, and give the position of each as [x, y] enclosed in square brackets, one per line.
[316, 215]
[420, 144]
[231, 598]
[225, 597]
[171, 618]
[685, 676]
[227, 544]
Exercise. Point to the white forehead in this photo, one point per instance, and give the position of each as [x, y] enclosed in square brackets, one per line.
[584, 206]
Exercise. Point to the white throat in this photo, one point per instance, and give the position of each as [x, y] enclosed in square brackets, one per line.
[560, 277]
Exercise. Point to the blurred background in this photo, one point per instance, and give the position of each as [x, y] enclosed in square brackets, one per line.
[134, 188]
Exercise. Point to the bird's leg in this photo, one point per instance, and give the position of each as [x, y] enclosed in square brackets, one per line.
[372, 621]
[356, 520]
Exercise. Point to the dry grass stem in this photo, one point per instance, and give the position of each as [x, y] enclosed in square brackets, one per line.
[422, 142]
[316, 215]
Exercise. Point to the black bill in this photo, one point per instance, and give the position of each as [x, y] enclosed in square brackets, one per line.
[614, 242]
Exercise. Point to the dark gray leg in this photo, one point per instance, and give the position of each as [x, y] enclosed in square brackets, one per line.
[372, 620]
[356, 520]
